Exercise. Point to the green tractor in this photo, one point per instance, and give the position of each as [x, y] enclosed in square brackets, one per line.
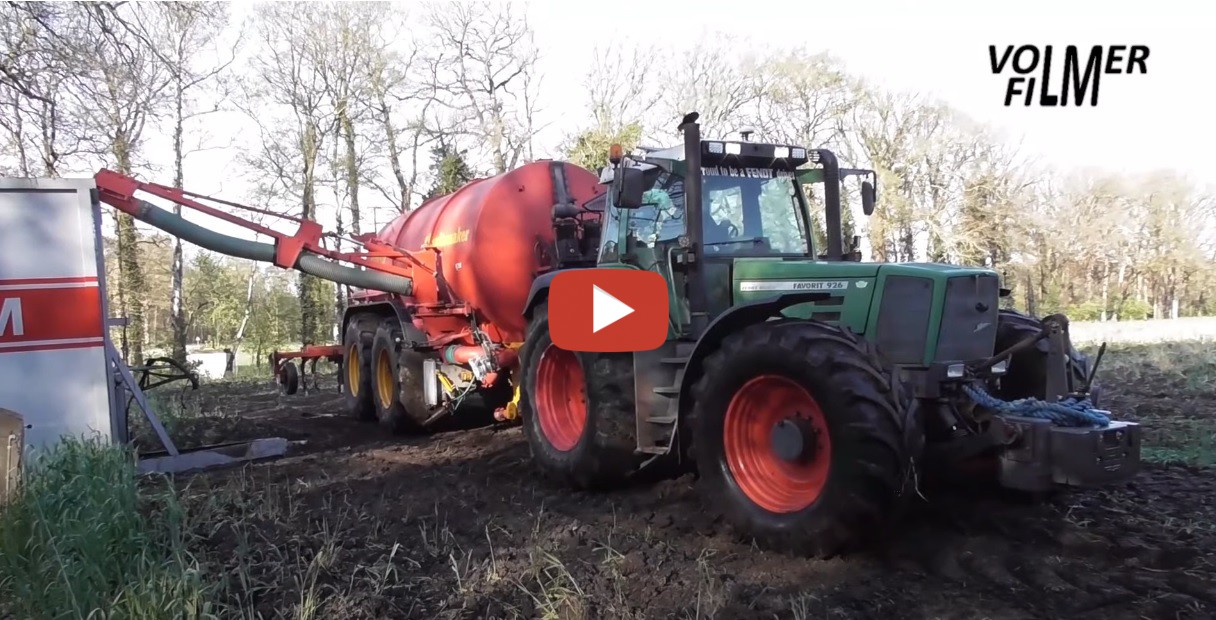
[811, 391]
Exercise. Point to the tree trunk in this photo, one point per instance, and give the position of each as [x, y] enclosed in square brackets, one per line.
[394, 154]
[351, 164]
[131, 276]
[177, 304]
[312, 293]
[240, 331]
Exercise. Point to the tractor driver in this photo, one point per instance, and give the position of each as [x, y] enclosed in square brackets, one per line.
[667, 214]
[722, 230]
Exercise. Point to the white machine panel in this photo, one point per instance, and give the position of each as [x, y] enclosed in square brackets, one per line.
[53, 368]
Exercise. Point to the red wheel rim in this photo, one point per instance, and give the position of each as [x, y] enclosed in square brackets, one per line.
[561, 399]
[773, 483]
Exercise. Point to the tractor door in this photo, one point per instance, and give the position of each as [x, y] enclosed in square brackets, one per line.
[650, 235]
[752, 213]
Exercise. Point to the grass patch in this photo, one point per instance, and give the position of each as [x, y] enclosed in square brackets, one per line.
[1170, 389]
[1171, 368]
[83, 538]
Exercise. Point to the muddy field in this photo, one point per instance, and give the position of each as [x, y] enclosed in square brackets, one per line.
[457, 525]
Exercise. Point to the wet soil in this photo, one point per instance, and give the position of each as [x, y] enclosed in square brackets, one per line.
[356, 524]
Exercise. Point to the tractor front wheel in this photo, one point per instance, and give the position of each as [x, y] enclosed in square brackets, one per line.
[577, 410]
[803, 437]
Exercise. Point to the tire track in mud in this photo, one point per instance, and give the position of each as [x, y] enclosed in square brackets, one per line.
[470, 499]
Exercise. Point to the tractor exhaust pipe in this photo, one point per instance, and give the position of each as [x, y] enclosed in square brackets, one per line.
[697, 303]
[832, 220]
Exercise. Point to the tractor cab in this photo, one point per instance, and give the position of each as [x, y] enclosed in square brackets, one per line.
[712, 216]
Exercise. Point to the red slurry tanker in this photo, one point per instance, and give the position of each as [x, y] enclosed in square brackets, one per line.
[435, 314]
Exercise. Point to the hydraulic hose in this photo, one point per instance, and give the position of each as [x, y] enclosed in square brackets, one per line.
[308, 263]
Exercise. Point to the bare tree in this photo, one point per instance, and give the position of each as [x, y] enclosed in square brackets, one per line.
[178, 35]
[39, 65]
[294, 119]
[123, 87]
[800, 98]
[710, 81]
[481, 63]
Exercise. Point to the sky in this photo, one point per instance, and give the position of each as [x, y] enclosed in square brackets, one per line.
[938, 48]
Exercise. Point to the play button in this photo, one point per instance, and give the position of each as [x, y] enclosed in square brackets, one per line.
[606, 309]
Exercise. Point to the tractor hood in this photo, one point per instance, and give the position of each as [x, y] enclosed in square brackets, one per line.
[751, 272]
[853, 288]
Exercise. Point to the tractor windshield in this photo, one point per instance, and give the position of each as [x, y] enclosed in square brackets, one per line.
[742, 215]
[759, 213]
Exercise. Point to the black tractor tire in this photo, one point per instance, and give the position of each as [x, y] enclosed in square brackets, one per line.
[357, 367]
[289, 378]
[397, 386]
[1026, 376]
[867, 474]
[577, 411]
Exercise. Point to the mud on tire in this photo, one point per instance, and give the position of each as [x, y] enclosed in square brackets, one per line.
[1027, 374]
[356, 367]
[589, 441]
[846, 492]
[397, 386]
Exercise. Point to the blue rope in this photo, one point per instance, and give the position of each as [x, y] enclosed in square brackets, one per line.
[1068, 412]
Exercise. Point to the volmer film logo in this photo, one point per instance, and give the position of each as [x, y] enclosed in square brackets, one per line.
[1074, 80]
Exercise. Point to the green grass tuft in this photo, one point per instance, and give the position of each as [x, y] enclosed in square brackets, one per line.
[81, 539]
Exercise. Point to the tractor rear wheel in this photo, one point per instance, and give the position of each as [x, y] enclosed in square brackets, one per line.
[357, 368]
[399, 403]
[804, 437]
[1026, 376]
[577, 410]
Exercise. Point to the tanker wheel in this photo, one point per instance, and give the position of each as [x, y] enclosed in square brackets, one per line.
[577, 411]
[399, 399]
[1026, 376]
[804, 438]
[289, 378]
[357, 367]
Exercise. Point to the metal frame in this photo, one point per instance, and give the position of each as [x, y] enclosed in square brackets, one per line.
[122, 381]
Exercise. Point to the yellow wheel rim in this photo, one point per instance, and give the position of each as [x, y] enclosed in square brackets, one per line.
[352, 369]
[384, 380]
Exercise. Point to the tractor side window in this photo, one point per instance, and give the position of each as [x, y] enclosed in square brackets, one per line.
[661, 217]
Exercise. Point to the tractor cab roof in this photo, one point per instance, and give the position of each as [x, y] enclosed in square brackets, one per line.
[731, 154]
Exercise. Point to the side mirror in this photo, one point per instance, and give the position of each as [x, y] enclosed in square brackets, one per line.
[629, 188]
[869, 196]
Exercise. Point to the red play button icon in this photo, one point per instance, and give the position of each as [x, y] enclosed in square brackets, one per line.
[608, 310]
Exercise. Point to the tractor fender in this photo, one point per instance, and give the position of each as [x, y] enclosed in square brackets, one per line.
[540, 289]
[731, 321]
[394, 308]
